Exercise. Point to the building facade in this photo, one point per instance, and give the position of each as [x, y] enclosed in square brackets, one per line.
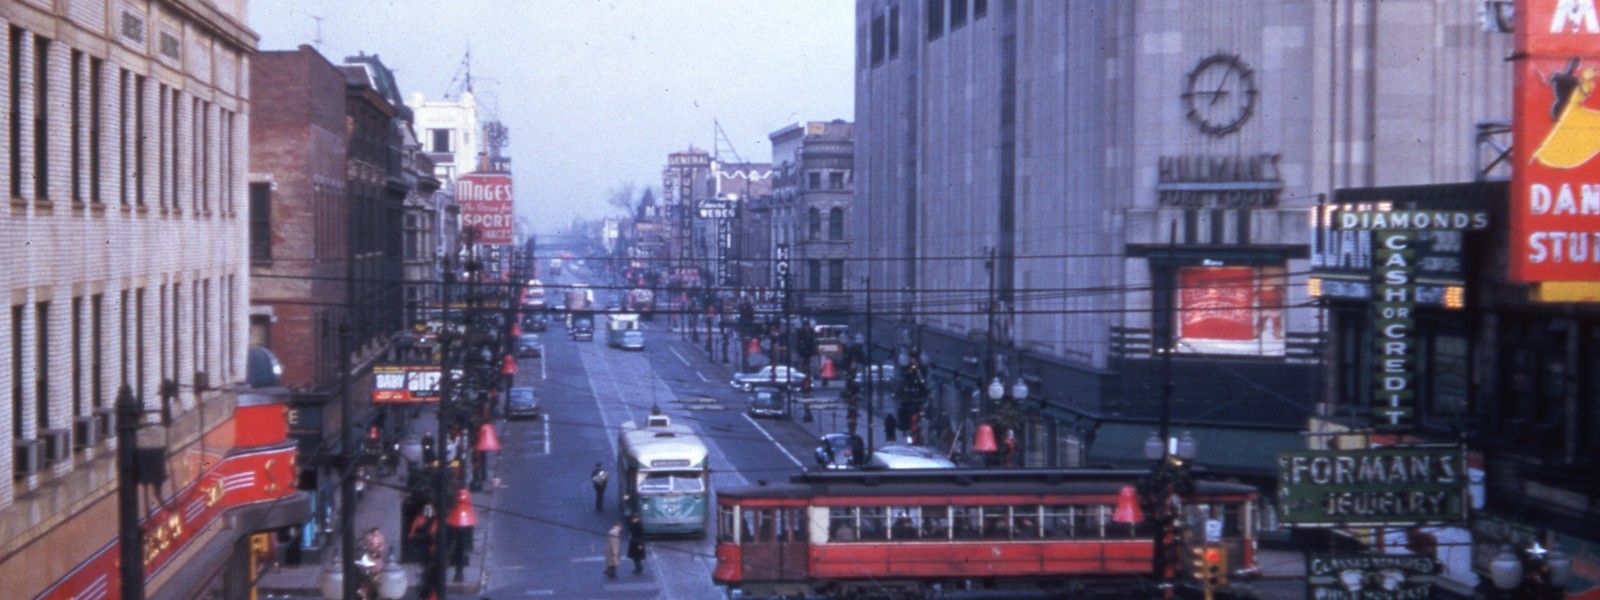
[125, 165]
[813, 187]
[1099, 199]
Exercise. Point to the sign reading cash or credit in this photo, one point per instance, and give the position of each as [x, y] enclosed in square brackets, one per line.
[1378, 487]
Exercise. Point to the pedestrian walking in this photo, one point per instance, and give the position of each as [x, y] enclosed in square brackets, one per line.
[889, 427]
[613, 550]
[636, 543]
[599, 478]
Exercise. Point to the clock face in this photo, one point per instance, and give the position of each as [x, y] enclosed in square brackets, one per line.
[1221, 94]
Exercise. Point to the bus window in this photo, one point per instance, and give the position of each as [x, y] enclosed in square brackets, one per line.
[663, 483]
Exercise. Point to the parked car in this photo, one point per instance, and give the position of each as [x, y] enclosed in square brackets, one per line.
[632, 340]
[528, 345]
[535, 322]
[906, 456]
[583, 328]
[521, 403]
[768, 401]
[780, 375]
[839, 451]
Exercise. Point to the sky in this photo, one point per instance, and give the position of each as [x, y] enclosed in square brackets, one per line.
[596, 93]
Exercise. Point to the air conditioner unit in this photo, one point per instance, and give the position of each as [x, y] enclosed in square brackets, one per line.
[85, 431]
[57, 445]
[103, 422]
[25, 457]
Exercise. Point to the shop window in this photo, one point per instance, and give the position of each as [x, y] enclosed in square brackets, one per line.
[1230, 310]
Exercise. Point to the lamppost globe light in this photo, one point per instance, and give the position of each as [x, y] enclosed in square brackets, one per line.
[1505, 570]
[1154, 448]
[1187, 447]
[997, 390]
[1560, 568]
[1019, 390]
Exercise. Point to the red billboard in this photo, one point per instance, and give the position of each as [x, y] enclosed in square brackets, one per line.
[1555, 198]
[1231, 310]
[485, 200]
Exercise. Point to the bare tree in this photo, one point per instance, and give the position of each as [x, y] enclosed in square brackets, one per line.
[621, 198]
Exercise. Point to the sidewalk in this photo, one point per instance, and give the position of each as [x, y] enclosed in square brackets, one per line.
[379, 506]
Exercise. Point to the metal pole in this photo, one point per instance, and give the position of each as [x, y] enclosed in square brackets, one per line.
[871, 384]
[436, 576]
[1166, 533]
[130, 538]
[347, 471]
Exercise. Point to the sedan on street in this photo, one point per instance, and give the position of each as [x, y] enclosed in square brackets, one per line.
[528, 345]
[522, 404]
[773, 375]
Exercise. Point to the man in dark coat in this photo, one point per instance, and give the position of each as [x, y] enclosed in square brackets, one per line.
[636, 543]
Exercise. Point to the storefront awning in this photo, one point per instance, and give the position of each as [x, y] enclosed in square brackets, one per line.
[1223, 450]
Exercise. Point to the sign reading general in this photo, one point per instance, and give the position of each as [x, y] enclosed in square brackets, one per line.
[1373, 488]
[1555, 182]
[486, 206]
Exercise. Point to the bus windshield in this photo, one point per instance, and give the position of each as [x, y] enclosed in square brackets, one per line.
[672, 483]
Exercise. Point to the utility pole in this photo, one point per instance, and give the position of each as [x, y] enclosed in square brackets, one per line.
[130, 539]
[435, 571]
[870, 376]
[347, 471]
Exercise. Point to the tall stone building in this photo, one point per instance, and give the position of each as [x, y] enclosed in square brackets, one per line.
[812, 192]
[1101, 198]
[128, 277]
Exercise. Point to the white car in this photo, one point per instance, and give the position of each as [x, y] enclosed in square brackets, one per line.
[906, 456]
[779, 375]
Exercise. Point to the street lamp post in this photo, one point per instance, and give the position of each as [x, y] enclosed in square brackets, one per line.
[1530, 573]
[1164, 488]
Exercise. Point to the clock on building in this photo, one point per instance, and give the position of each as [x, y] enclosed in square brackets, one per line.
[1221, 94]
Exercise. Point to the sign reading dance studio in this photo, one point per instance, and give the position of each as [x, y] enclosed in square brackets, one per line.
[1555, 197]
[1373, 488]
[485, 200]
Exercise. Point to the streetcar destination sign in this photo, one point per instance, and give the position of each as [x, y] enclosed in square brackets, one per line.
[1377, 487]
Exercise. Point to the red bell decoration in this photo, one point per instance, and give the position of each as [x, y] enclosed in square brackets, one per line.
[828, 372]
[983, 441]
[509, 365]
[487, 440]
[463, 515]
[755, 346]
[1128, 507]
[516, 329]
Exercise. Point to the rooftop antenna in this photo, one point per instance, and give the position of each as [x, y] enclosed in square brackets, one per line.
[462, 80]
[317, 41]
[720, 140]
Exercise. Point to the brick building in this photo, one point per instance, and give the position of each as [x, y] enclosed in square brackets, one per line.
[126, 229]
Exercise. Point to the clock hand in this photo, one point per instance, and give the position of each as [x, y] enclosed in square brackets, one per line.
[1217, 95]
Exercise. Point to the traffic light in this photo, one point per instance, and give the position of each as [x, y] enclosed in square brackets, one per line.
[1210, 563]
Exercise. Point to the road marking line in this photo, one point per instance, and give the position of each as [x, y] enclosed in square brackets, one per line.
[629, 587]
[764, 433]
[589, 559]
[539, 593]
[681, 359]
[546, 434]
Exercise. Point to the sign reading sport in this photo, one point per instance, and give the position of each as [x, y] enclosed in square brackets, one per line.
[485, 200]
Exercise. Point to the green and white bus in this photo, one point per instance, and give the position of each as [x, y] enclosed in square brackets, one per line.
[664, 476]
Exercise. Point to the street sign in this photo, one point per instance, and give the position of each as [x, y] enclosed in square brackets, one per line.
[1380, 487]
[1370, 576]
[712, 208]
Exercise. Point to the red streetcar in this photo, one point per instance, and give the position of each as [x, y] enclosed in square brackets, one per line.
[916, 533]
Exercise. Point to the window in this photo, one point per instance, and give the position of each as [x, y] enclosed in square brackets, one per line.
[813, 180]
[726, 525]
[137, 142]
[894, 31]
[96, 349]
[97, 94]
[814, 224]
[935, 19]
[814, 275]
[77, 356]
[979, 9]
[16, 371]
[968, 521]
[842, 524]
[41, 118]
[836, 223]
[835, 180]
[75, 118]
[161, 145]
[877, 41]
[958, 14]
[874, 523]
[41, 364]
[15, 63]
[440, 140]
[261, 221]
[836, 275]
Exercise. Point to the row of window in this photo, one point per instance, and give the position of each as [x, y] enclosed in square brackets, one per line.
[849, 524]
[835, 224]
[885, 40]
[182, 140]
[197, 309]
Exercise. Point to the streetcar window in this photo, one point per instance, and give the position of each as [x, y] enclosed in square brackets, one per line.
[968, 522]
[1057, 521]
[935, 522]
[759, 525]
[794, 525]
[725, 524]
[901, 524]
[874, 523]
[1231, 522]
[1025, 521]
[663, 483]
[842, 524]
[1086, 522]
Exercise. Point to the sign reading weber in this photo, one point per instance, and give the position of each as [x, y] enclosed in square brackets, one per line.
[1373, 488]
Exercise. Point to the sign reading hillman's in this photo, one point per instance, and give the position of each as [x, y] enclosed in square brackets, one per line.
[1555, 215]
[485, 200]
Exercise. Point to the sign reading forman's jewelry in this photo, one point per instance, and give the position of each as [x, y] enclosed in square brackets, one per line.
[1373, 488]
